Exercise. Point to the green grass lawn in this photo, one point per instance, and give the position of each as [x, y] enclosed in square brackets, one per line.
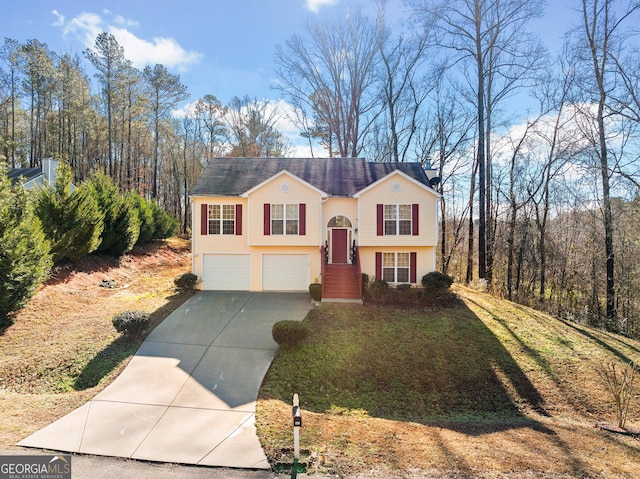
[482, 386]
[400, 364]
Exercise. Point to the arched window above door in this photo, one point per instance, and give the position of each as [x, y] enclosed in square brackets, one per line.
[339, 222]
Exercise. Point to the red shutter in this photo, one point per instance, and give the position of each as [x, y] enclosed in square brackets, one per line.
[267, 219]
[413, 259]
[204, 219]
[380, 220]
[378, 265]
[302, 219]
[239, 220]
[414, 220]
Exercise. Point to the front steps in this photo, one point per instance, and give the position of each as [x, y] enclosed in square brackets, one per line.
[341, 283]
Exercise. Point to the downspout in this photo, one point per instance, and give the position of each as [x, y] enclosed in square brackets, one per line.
[322, 233]
[193, 233]
[435, 247]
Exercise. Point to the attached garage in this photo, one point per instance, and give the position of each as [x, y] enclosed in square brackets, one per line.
[286, 272]
[226, 272]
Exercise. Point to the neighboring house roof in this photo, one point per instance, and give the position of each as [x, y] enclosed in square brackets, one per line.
[36, 177]
[335, 176]
[29, 174]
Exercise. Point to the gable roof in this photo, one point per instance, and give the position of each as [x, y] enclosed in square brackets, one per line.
[335, 176]
[29, 174]
[283, 173]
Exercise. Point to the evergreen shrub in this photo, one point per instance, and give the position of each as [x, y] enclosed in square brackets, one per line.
[186, 281]
[131, 323]
[437, 280]
[289, 333]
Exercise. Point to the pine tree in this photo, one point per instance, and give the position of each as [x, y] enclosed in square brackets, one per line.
[72, 220]
[121, 222]
[25, 258]
[165, 224]
[145, 214]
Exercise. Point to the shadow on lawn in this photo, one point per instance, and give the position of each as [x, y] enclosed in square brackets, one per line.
[440, 367]
[123, 347]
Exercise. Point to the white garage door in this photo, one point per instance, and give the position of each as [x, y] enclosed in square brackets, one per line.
[286, 272]
[226, 272]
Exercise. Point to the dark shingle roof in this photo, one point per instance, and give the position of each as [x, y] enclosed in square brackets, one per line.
[28, 173]
[335, 176]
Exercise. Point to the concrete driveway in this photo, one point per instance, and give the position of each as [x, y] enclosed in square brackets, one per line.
[189, 394]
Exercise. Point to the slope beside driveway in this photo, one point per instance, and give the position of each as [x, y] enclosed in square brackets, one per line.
[189, 394]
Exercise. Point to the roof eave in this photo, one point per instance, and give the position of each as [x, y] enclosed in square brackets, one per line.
[404, 175]
[280, 173]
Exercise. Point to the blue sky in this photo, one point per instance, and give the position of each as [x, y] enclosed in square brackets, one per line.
[220, 47]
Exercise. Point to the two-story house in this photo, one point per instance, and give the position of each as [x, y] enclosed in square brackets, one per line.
[279, 224]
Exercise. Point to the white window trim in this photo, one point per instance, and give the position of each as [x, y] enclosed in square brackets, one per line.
[395, 266]
[221, 220]
[397, 219]
[284, 219]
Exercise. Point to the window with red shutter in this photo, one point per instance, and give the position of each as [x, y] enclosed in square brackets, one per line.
[238, 220]
[302, 219]
[204, 219]
[267, 219]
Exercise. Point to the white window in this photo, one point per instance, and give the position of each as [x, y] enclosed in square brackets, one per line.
[284, 219]
[222, 219]
[397, 220]
[395, 267]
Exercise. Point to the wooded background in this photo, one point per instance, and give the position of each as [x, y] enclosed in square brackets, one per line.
[537, 153]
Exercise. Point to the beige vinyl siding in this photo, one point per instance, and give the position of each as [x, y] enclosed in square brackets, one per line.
[273, 193]
[233, 244]
[339, 207]
[409, 193]
[425, 260]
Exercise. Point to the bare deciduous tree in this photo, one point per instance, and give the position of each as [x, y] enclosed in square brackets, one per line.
[490, 44]
[251, 129]
[329, 73]
[598, 45]
[165, 91]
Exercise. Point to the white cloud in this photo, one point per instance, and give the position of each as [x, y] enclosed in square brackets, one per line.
[60, 18]
[166, 51]
[315, 5]
[141, 52]
[125, 22]
[86, 26]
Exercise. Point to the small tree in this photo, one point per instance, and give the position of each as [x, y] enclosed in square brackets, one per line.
[620, 383]
[71, 220]
[145, 215]
[25, 252]
[121, 222]
[165, 225]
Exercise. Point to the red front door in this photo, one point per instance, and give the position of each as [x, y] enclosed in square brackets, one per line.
[339, 246]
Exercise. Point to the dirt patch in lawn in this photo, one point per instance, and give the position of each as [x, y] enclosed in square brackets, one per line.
[62, 349]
